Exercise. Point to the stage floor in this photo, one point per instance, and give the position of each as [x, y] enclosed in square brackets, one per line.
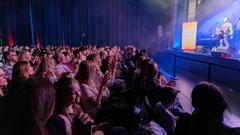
[213, 69]
[190, 68]
[185, 84]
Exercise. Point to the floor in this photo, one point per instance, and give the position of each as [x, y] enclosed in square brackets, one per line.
[185, 84]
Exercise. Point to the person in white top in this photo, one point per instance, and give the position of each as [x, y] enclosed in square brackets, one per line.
[61, 68]
[3, 82]
[91, 96]
[8, 65]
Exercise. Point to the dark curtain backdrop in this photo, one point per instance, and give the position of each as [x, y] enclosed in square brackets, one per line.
[76, 22]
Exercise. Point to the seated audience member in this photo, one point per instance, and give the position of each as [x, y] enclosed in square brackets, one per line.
[98, 74]
[155, 80]
[152, 82]
[11, 59]
[47, 70]
[25, 56]
[110, 67]
[80, 55]
[105, 66]
[3, 82]
[27, 108]
[207, 119]
[22, 70]
[137, 85]
[68, 62]
[103, 54]
[96, 59]
[154, 129]
[34, 61]
[91, 96]
[141, 81]
[161, 111]
[143, 53]
[67, 112]
[61, 69]
[36, 58]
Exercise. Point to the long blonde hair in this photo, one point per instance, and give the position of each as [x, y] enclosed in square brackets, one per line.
[86, 72]
[20, 71]
[45, 66]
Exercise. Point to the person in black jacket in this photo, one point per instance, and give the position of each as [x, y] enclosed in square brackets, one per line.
[207, 119]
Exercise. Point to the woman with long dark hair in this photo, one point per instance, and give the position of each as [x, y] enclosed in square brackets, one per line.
[47, 70]
[26, 108]
[22, 70]
[207, 119]
[67, 113]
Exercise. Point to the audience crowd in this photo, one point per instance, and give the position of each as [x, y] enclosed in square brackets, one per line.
[94, 91]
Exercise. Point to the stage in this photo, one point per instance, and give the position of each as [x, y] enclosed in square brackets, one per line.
[213, 69]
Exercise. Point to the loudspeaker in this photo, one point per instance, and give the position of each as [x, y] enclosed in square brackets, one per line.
[221, 55]
[221, 49]
[202, 49]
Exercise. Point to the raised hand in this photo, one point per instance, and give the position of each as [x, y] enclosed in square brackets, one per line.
[85, 118]
[171, 83]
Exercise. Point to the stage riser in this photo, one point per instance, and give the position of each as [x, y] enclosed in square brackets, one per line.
[227, 77]
[192, 67]
[219, 70]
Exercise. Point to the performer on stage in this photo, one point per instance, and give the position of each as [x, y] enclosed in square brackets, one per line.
[225, 33]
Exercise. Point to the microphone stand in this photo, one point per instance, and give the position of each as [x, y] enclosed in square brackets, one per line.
[212, 35]
[211, 29]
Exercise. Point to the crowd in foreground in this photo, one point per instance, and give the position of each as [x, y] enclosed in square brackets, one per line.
[108, 90]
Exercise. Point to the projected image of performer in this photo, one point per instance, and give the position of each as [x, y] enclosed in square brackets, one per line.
[225, 33]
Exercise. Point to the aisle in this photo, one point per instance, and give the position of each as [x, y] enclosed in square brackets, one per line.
[185, 84]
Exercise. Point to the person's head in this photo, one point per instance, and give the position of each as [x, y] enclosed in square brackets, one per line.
[143, 52]
[95, 58]
[92, 57]
[28, 107]
[49, 54]
[133, 50]
[50, 64]
[140, 61]
[61, 59]
[144, 65]
[105, 66]
[68, 56]
[11, 56]
[22, 70]
[47, 65]
[86, 72]
[3, 80]
[80, 53]
[67, 93]
[226, 19]
[36, 52]
[151, 70]
[167, 95]
[25, 56]
[208, 99]
[103, 54]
